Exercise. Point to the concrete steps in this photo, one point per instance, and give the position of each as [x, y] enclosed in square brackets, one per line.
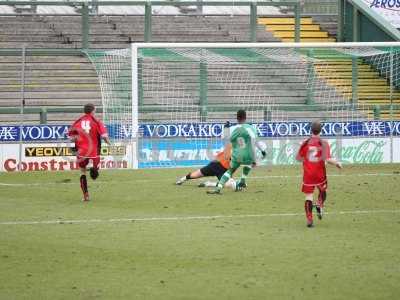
[284, 29]
[50, 81]
[385, 115]
[372, 89]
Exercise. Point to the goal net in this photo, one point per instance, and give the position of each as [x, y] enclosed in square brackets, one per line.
[119, 112]
[179, 96]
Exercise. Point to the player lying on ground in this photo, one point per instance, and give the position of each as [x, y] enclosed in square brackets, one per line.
[314, 152]
[244, 142]
[217, 168]
[87, 133]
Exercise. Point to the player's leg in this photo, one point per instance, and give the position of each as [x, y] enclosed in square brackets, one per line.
[308, 190]
[241, 184]
[231, 183]
[208, 183]
[217, 170]
[225, 178]
[192, 175]
[321, 199]
[94, 170]
[308, 206]
[221, 183]
[83, 162]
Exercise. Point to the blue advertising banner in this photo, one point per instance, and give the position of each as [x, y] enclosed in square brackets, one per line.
[177, 153]
[274, 129]
[32, 133]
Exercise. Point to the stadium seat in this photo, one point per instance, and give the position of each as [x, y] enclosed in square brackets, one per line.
[284, 29]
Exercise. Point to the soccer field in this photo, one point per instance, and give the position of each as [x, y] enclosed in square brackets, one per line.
[142, 237]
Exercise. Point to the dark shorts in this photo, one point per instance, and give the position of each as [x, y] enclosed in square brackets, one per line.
[214, 168]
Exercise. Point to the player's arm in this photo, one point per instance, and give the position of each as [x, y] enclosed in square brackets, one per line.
[260, 146]
[228, 151]
[103, 133]
[226, 132]
[106, 138]
[73, 134]
[301, 153]
[326, 152]
[73, 138]
[253, 151]
[334, 162]
[234, 133]
[253, 146]
[225, 153]
[256, 144]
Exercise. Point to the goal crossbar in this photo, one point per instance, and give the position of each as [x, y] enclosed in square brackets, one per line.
[267, 45]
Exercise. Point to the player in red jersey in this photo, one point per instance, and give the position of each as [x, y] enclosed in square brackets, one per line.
[314, 152]
[87, 133]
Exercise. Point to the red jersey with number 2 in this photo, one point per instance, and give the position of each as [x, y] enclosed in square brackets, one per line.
[314, 152]
[88, 132]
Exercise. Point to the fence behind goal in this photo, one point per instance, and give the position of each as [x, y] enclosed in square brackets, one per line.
[170, 102]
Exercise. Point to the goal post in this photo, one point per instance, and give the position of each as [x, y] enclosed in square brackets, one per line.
[182, 94]
[119, 111]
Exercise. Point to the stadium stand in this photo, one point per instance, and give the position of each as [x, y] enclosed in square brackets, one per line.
[372, 86]
[50, 81]
[64, 81]
[113, 32]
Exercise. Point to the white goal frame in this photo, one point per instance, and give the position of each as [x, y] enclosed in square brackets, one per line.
[135, 71]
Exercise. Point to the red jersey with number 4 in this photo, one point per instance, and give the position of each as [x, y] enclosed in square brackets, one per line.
[87, 131]
[314, 152]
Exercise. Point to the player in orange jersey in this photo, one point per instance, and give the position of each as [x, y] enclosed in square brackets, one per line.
[216, 167]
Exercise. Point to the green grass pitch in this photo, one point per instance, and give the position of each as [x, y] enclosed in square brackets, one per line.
[140, 238]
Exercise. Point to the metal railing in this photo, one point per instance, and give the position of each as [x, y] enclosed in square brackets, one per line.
[378, 112]
[90, 8]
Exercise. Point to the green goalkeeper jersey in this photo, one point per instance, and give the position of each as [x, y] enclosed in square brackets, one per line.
[243, 138]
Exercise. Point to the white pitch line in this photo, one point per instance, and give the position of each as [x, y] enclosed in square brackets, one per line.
[34, 183]
[329, 175]
[168, 180]
[188, 218]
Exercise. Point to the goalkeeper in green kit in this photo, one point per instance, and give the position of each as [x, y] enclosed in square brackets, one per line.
[244, 142]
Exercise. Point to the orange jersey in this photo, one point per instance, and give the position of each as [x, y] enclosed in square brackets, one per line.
[224, 157]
